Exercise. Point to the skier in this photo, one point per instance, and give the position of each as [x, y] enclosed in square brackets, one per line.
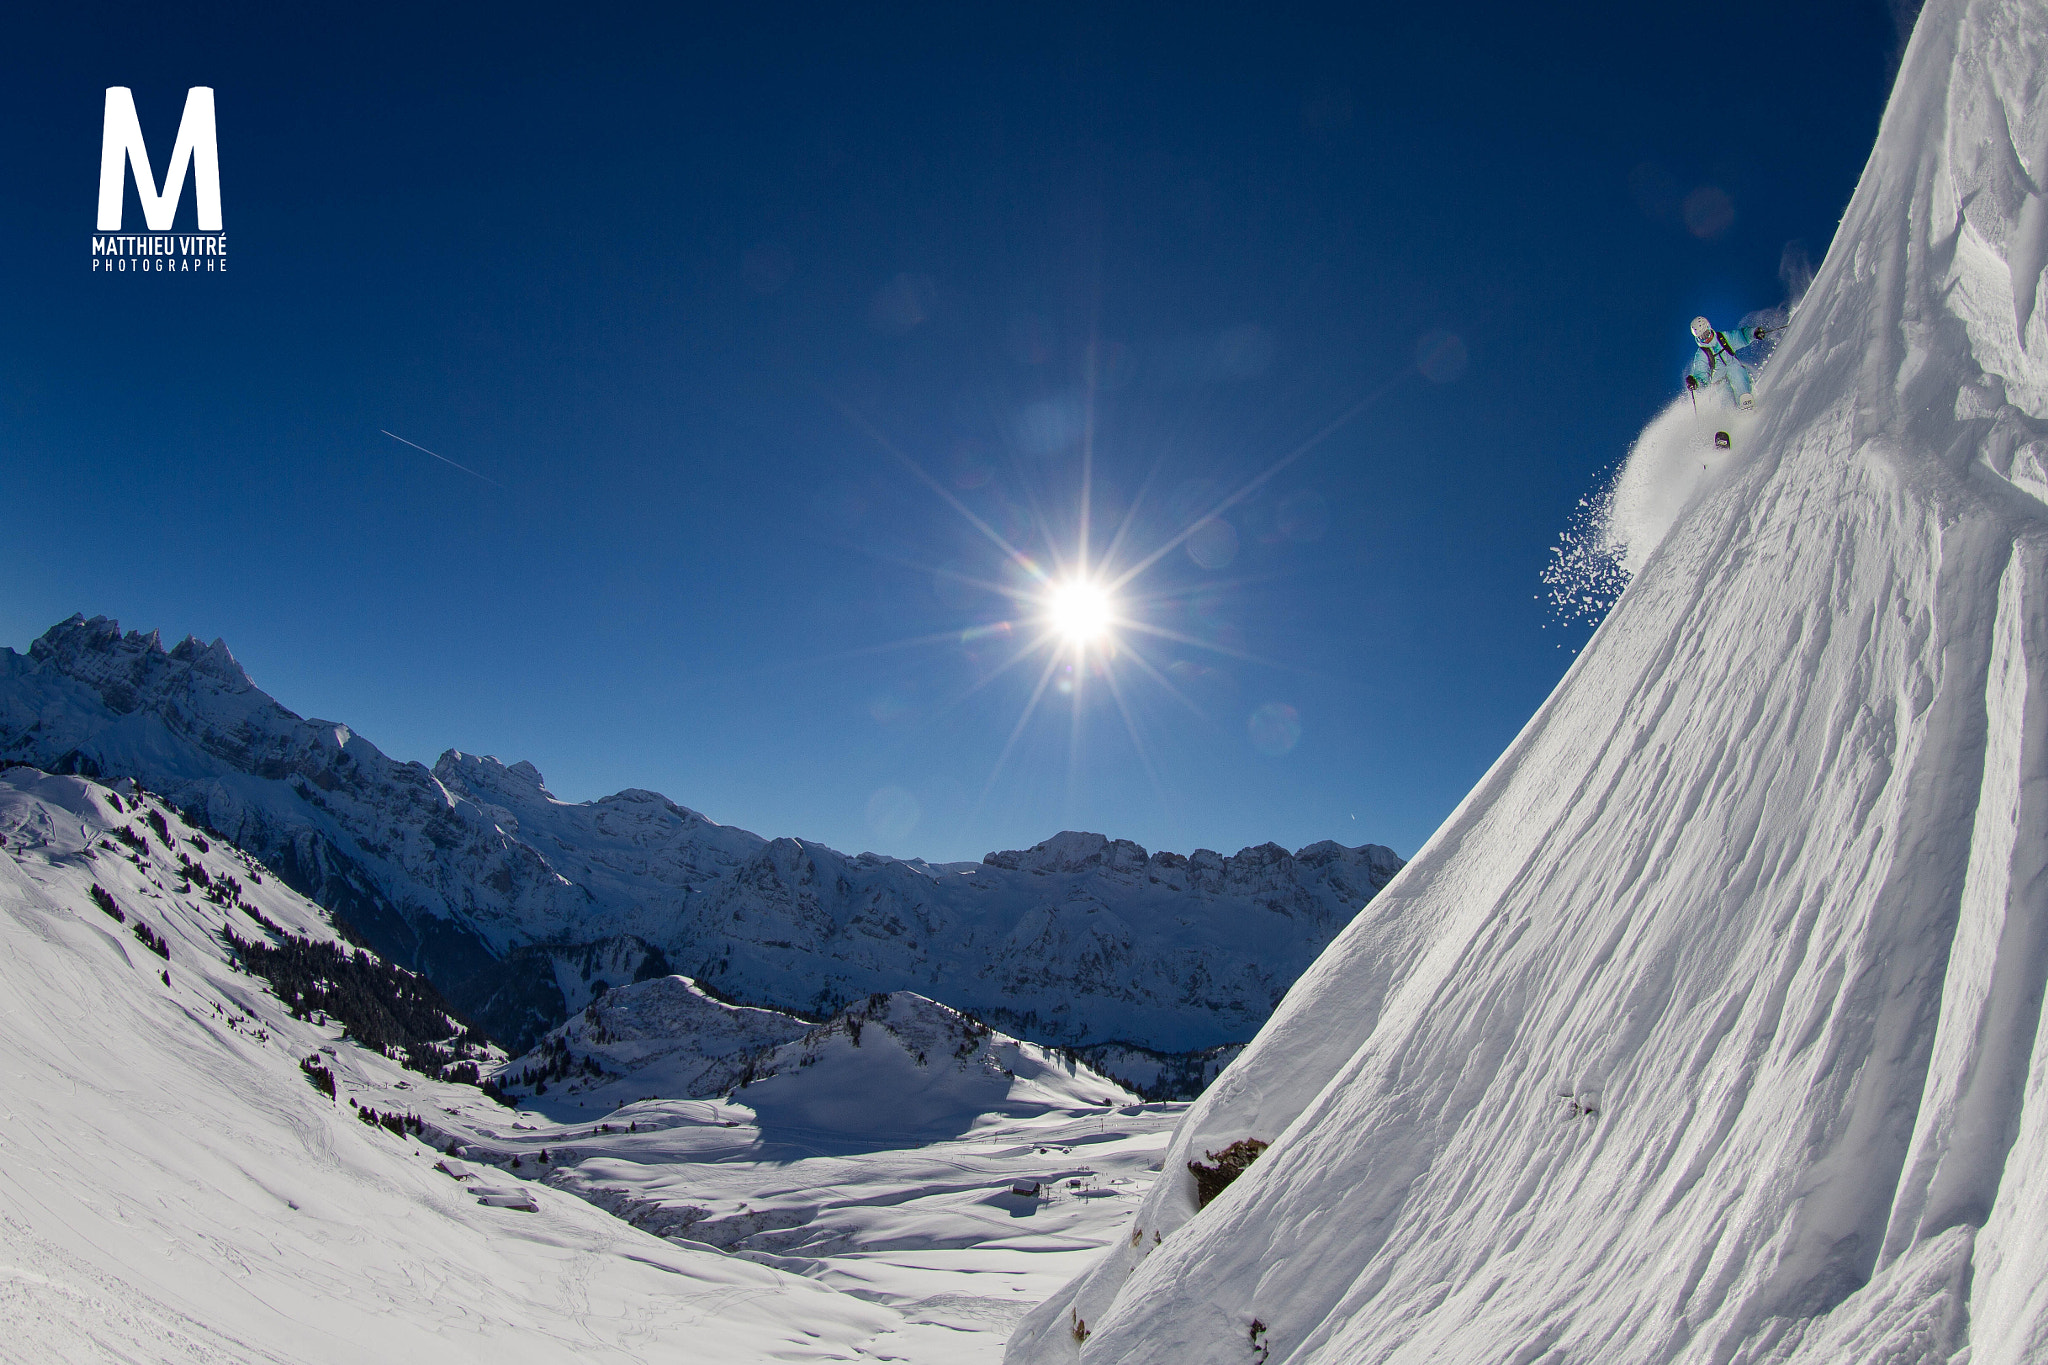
[1716, 362]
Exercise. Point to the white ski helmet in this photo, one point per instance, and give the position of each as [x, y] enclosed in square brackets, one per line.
[1702, 330]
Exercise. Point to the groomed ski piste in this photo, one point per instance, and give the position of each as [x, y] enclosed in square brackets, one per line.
[1709, 1027]
[173, 1186]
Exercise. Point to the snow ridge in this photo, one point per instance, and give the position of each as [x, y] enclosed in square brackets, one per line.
[1715, 1030]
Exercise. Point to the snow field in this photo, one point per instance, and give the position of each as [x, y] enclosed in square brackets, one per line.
[878, 1153]
[933, 1231]
[171, 1187]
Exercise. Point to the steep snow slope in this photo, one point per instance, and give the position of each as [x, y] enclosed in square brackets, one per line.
[171, 1187]
[941, 1071]
[1715, 1027]
[516, 904]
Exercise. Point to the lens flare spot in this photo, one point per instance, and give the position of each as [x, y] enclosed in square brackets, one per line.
[893, 813]
[1275, 728]
[1213, 543]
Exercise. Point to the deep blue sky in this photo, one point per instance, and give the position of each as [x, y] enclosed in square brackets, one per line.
[666, 276]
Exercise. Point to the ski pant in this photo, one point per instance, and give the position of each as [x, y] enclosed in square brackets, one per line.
[1735, 375]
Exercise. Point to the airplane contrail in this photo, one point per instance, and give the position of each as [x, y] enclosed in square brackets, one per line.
[443, 459]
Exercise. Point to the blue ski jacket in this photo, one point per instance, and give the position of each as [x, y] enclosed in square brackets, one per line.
[1717, 360]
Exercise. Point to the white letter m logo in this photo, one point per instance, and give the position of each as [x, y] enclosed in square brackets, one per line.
[121, 145]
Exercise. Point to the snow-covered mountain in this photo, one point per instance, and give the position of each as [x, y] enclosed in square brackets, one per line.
[666, 1037]
[197, 1164]
[1709, 1027]
[517, 904]
[173, 1188]
[1160, 1075]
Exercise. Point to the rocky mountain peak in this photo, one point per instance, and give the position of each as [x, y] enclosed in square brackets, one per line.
[1072, 851]
[474, 874]
[483, 776]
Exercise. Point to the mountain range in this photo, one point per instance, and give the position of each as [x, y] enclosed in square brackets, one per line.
[521, 907]
[210, 1154]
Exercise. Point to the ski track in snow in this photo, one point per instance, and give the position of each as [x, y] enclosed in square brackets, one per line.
[172, 1188]
[1715, 1026]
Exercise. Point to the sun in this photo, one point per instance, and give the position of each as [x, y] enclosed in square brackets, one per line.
[1073, 603]
[1079, 611]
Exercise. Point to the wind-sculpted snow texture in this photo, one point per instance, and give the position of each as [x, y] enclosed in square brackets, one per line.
[518, 905]
[1714, 1031]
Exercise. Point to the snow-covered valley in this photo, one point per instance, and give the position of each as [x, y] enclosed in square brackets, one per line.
[958, 1235]
[173, 1185]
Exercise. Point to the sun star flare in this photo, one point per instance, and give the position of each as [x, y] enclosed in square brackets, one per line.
[1080, 611]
